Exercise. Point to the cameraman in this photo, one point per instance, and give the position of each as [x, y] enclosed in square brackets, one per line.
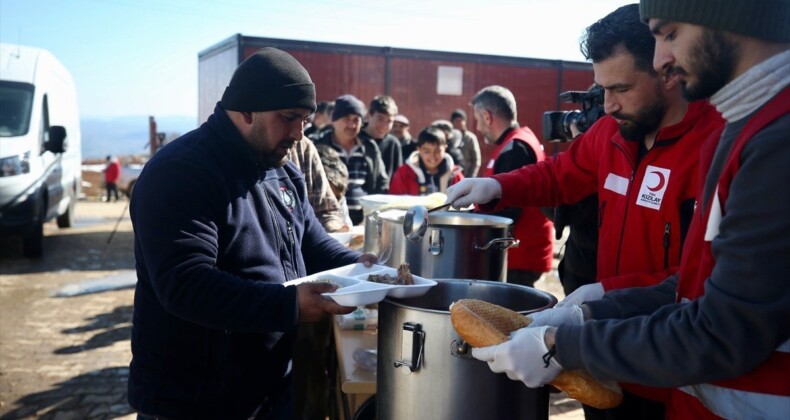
[641, 159]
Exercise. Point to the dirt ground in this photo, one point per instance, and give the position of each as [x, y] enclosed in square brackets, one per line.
[67, 358]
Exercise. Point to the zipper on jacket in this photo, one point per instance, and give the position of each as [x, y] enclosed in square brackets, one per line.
[279, 237]
[667, 229]
[291, 242]
[625, 217]
[600, 214]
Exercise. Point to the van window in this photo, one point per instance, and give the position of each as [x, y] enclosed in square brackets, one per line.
[16, 104]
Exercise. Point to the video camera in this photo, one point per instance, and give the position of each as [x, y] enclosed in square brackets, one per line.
[557, 124]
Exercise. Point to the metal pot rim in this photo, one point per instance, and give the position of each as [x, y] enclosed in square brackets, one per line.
[489, 283]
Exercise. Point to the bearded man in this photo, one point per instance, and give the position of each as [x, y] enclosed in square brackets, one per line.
[642, 161]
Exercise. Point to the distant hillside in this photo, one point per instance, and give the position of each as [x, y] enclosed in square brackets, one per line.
[121, 136]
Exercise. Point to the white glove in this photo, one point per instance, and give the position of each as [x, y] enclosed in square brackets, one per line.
[473, 190]
[521, 357]
[554, 317]
[586, 293]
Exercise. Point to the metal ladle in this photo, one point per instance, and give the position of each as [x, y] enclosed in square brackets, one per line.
[415, 221]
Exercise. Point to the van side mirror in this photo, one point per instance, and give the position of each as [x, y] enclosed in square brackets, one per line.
[57, 139]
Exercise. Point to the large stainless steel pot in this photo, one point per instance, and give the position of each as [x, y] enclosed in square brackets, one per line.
[456, 245]
[425, 371]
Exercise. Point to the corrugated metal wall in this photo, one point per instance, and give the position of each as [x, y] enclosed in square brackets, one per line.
[411, 77]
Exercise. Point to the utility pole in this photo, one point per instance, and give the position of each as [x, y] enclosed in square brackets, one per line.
[153, 139]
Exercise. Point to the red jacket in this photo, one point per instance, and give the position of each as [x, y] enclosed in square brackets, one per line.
[644, 209]
[532, 228]
[409, 179]
[761, 389]
[112, 172]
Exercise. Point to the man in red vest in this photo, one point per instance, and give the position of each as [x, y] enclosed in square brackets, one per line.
[641, 159]
[718, 331]
[515, 147]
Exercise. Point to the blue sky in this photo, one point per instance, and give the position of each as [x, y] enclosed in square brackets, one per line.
[139, 57]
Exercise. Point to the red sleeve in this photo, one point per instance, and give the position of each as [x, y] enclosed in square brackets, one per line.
[403, 181]
[564, 178]
[457, 176]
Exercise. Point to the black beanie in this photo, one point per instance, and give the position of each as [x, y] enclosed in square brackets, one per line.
[347, 104]
[765, 19]
[268, 80]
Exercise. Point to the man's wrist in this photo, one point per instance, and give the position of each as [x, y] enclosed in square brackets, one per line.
[548, 337]
[586, 313]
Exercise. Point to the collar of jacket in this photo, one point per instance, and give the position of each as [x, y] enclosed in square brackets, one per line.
[669, 135]
[239, 150]
[506, 133]
[694, 112]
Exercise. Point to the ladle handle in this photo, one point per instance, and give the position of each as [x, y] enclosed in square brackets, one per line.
[443, 206]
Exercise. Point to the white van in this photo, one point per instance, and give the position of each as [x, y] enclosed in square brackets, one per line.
[40, 158]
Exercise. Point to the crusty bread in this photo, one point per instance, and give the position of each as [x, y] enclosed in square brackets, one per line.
[483, 324]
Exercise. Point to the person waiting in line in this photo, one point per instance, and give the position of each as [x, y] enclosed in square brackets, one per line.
[380, 119]
[337, 175]
[112, 174]
[221, 221]
[453, 141]
[366, 171]
[319, 193]
[321, 119]
[470, 147]
[642, 160]
[429, 169]
[400, 129]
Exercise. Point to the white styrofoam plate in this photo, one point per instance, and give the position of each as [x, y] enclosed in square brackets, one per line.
[344, 271]
[357, 292]
[364, 293]
[419, 288]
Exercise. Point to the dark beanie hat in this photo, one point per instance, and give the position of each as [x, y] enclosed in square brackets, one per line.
[765, 19]
[269, 79]
[458, 113]
[347, 104]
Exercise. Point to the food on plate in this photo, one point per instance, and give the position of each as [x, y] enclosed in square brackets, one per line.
[483, 324]
[328, 281]
[404, 277]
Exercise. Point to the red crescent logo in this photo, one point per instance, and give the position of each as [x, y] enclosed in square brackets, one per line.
[661, 181]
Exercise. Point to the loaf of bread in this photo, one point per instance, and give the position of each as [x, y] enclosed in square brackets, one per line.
[483, 324]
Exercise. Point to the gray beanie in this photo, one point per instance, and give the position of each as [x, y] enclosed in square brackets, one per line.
[768, 20]
[346, 105]
[268, 80]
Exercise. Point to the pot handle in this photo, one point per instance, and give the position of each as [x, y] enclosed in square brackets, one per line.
[412, 345]
[501, 243]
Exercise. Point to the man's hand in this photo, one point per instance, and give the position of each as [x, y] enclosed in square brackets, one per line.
[313, 307]
[554, 317]
[368, 259]
[583, 294]
[521, 357]
[473, 191]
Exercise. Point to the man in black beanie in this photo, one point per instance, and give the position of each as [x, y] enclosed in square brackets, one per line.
[367, 173]
[221, 221]
[737, 303]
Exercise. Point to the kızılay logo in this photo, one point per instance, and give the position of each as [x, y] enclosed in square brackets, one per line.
[654, 185]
